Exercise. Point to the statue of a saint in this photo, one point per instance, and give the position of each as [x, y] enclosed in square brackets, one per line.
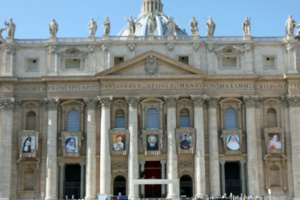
[290, 25]
[211, 26]
[11, 28]
[171, 27]
[194, 26]
[93, 27]
[131, 25]
[151, 24]
[53, 27]
[246, 27]
[106, 26]
[1, 30]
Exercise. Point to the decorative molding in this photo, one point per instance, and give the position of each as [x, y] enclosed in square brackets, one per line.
[229, 50]
[7, 104]
[196, 46]
[170, 46]
[131, 47]
[10, 49]
[91, 48]
[171, 101]
[186, 164]
[133, 101]
[105, 101]
[151, 65]
[51, 103]
[294, 100]
[105, 47]
[289, 46]
[119, 165]
[90, 102]
[212, 101]
[184, 103]
[52, 49]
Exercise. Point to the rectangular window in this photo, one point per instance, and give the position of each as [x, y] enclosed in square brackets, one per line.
[184, 121]
[269, 62]
[229, 62]
[184, 59]
[120, 122]
[118, 60]
[73, 63]
[32, 65]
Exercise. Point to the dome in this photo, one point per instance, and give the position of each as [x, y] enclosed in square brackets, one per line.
[152, 21]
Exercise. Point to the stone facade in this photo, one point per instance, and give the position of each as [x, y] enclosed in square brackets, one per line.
[180, 77]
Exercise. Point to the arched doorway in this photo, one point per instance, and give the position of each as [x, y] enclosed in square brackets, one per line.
[119, 186]
[186, 186]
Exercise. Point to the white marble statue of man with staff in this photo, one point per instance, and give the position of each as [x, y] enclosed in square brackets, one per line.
[211, 26]
[171, 26]
[131, 25]
[93, 27]
[194, 26]
[106, 26]
[290, 25]
[11, 28]
[53, 27]
[246, 27]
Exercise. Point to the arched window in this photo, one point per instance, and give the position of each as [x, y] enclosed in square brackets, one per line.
[73, 121]
[120, 119]
[184, 118]
[271, 117]
[230, 119]
[186, 186]
[29, 180]
[119, 186]
[31, 121]
[152, 119]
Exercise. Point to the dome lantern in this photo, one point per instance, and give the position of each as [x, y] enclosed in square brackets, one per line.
[152, 6]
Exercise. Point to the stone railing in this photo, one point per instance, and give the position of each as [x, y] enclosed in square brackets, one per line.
[146, 38]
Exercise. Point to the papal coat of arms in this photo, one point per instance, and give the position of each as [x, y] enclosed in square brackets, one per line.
[151, 65]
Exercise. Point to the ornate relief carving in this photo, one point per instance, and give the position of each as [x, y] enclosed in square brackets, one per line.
[229, 50]
[250, 101]
[131, 47]
[294, 101]
[212, 101]
[105, 47]
[198, 99]
[90, 102]
[52, 49]
[151, 65]
[105, 101]
[119, 165]
[91, 48]
[186, 164]
[171, 100]
[184, 103]
[170, 46]
[7, 104]
[132, 101]
[52, 103]
[196, 46]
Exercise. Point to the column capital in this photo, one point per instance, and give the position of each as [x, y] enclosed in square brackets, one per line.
[105, 100]
[90, 102]
[62, 164]
[198, 100]
[7, 104]
[212, 101]
[250, 101]
[293, 100]
[51, 103]
[222, 162]
[284, 101]
[163, 162]
[171, 100]
[132, 101]
[243, 162]
[142, 162]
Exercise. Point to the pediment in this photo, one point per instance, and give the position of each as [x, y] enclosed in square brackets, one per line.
[151, 64]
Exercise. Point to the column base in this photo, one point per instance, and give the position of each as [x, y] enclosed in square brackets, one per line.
[172, 196]
[90, 198]
[50, 198]
[133, 197]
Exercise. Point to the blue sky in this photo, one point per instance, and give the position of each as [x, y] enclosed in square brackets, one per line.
[33, 16]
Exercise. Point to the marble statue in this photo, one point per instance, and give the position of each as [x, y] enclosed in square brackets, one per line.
[211, 26]
[131, 25]
[194, 26]
[93, 27]
[1, 30]
[151, 23]
[171, 26]
[11, 28]
[53, 27]
[106, 26]
[290, 25]
[246, 27]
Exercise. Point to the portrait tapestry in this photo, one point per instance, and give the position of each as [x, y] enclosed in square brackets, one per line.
[152, 140]
[232, 141]
[71, 144]
[28, 144]
[119, 141]
[274, 138]
[185, 138]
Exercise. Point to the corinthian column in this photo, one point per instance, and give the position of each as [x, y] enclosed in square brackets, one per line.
[51, 166]
[253, 183]
[91, 149]
[214, 164]
[294, 112]
[133, 159]
[172, 161]
[105, 159]
[200, 188]
[7, 107]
